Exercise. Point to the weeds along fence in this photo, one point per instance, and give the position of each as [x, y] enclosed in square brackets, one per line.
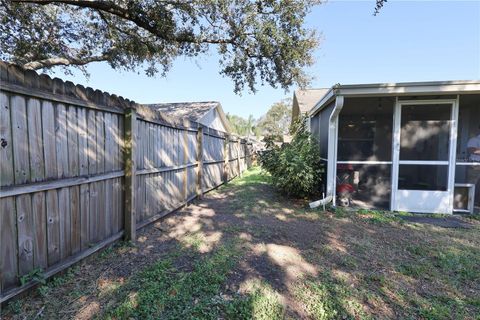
[81, 169]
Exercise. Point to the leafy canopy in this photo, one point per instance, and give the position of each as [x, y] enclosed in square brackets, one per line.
[243, 127]
[257, 41]
[276, 121]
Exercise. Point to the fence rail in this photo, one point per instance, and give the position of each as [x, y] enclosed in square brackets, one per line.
[81, 168]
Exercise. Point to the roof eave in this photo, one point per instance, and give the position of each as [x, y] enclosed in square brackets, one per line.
[393, 89]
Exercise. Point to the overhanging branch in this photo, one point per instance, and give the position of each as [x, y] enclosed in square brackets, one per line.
[63, 61]
[139, 18]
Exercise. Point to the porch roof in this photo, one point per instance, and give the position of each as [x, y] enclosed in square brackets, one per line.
[397, 89]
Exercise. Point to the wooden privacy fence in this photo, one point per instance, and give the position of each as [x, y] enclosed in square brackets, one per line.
[81, 168]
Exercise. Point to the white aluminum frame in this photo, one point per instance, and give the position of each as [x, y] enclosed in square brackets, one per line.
[394, 205]
[332, 149]
[471, 197]
[364, 162]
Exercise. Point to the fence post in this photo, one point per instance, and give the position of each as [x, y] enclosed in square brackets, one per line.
[226, 159]
[199, 161]
[185, 162]
[248, 158]
[239, 143]
[130, 172]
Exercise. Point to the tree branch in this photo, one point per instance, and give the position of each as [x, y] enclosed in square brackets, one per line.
[139, 18]
[63, 61]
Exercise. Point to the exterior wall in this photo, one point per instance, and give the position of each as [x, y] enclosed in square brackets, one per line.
[319, 127]
[212, 120]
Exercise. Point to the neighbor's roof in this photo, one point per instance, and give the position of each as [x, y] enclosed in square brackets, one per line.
[397, 89]
[193, 111]
[308, 98]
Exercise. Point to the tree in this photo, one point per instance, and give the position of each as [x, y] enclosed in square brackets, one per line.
[257, 41]
[277, 120]
[378, 6]
[296, 168]
[241, 126]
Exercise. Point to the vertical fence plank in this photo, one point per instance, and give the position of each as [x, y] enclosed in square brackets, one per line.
[75, 224]
[23, 204]
[25, 234]
[83, 170]
[130, 168]
[72, 141]
[84, 216]
[92, 141]
[114, 167]
[65, 222]
[100, 121]
[226, 160]
[37, 173]
[53, 227]
[92, 169]
[62, 172]
[49, 144]
[6, 142]
[8, 240]
[50, 156]
[73, 170]
[108, 168]
[239, 169]
[120, 166]
[61, 141]
[20, 140]
[140, 198]
[40, 233]
[82, 142]
[34, 119]
[185, 161]
[199, 171]
[8, 230]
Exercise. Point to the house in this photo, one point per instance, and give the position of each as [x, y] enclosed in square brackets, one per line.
[401, 146]
[208, 113]
[305, 100]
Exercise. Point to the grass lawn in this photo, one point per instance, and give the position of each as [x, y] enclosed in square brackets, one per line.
[248, 252]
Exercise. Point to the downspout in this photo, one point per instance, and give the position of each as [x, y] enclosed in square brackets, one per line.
[332, 155]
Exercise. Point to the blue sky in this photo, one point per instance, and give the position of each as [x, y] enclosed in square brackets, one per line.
[408, 41]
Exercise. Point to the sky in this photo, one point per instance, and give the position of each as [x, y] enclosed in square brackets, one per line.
[407, 41]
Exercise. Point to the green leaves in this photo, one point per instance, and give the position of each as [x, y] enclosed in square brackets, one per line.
[295, 167]
[258, 42]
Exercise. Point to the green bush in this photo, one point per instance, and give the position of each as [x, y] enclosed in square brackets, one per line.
[295, 167]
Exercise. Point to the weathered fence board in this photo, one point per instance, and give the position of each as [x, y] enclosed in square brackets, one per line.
[8, 249]
[79, 168]
[6, 153]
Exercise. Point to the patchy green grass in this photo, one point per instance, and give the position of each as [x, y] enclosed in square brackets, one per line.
[163, 291]
[261, 303]
[378, 216]
[325, 297]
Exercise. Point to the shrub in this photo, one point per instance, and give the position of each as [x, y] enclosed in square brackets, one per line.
[295, 167]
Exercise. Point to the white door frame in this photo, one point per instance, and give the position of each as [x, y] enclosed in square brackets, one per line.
[397, 116]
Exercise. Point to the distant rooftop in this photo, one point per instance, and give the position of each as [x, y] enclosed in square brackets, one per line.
[193, 111]
[309, 97]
